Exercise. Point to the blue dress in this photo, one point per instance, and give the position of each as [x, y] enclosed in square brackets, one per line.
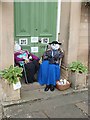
[48, 73]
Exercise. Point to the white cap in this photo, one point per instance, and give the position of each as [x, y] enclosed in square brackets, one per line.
[17, 47]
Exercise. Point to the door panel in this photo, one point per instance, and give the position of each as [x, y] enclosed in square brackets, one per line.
[24, 20]
[35, 19]
[46, 19]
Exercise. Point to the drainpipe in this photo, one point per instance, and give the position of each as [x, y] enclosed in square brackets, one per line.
[58, 19]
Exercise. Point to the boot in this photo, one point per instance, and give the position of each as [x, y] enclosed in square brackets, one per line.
[52, 88]
[47, 88]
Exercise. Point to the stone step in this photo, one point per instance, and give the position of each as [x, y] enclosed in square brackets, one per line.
[39, 95]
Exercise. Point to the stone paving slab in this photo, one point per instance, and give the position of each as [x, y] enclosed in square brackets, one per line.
[83, 106]
[58, 101]
[22, 111]
[1, 112]
[38, 114]
[67, 111]
[54, 107]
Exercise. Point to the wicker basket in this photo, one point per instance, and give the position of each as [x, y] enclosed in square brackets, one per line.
[63, 87]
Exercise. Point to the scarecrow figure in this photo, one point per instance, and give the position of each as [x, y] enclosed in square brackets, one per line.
[28, 61]
[49, 71]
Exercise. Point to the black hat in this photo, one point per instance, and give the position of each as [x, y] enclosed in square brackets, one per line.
[55, 42]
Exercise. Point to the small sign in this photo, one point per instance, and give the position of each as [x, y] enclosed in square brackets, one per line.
[34, 49]
[17, 85]
[44, 40]
[34, 39]
[23, 41]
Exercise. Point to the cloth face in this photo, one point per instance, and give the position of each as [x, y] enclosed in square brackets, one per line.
[55, 46]
[17, 47]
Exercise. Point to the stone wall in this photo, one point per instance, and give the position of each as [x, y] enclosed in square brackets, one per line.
[74, 34]
[7, 49]
[0, 32]
[83, 37]
[74, 31]
[69, 33]
[64, 35]
[64, 28]
[7, 33]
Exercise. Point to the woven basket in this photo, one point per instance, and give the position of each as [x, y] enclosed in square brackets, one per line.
[63, 87]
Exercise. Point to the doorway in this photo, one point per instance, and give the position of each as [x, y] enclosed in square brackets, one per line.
[35, 22]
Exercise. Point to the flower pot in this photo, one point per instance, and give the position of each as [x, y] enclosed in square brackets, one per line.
[78, 80]
[8, 93]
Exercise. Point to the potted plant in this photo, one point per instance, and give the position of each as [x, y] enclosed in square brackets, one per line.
[77, 75]
[10, 83]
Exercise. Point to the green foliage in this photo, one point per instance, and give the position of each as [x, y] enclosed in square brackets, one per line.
[78, 67]
[12, 74]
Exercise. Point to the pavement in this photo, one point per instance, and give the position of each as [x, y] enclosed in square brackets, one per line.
[36, 103]
[1, 112]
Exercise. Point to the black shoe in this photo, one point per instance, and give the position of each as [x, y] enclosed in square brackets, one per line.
[52, 88]
[47, 88]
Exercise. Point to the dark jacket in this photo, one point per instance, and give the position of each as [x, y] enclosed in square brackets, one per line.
[53, 56]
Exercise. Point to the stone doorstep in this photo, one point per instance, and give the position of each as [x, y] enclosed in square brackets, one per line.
[21, 101]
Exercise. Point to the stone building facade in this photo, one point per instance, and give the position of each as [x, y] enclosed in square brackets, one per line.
[73, 34]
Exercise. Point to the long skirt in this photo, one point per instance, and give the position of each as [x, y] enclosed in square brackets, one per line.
[31, 68]
[48, 73]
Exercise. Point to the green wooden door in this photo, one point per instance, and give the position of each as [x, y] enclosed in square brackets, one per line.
[35, 21]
